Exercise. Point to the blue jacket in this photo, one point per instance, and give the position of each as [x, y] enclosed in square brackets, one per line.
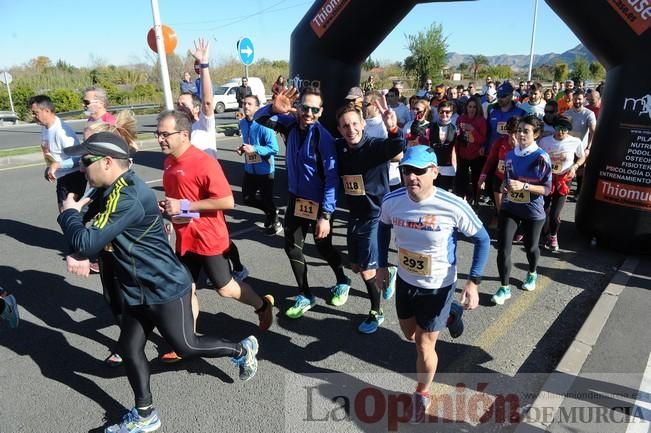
[130, 225]
[306, 178]
[264, 141]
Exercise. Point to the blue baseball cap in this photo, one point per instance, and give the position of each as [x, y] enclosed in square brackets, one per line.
[504, 89]
[419, 156]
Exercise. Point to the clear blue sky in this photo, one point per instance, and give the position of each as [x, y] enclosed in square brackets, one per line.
[115, 30]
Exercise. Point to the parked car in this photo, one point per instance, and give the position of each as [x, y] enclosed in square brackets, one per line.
[224, 98]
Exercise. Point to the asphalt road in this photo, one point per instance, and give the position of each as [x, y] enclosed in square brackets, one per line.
[53, 380]
[29, 134]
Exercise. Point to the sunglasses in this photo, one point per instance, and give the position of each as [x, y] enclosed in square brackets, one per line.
[87, 102]
[561, 128]
[408, 169]
[307, 108]
[447, 112]
[164, 134]
[87, 161]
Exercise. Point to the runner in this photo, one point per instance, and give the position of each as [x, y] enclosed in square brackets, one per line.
[155, 285]
[259, 145]
[363, 169]
[562, 149]
[426, 220]
[312, 182]
[527, 178]
[196, 196]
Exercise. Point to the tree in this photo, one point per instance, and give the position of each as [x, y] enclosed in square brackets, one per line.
[40, 63]
[543, 73]
[560, 71]
[477, 62]
[580, 69]
[463, 67]
[597, 71]
[370, 64]
[428, 53]
[498, 71]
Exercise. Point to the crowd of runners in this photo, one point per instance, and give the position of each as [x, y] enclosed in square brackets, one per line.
[411, 166]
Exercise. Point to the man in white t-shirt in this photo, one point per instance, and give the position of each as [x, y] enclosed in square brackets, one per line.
[202, 110]
[567, 155]
[535, 104]
[401, 110]
[584, 124]
[426, 220]
[56, 135]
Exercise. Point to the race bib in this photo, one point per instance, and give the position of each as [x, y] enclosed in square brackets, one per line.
[500, 166]
[304, 208]
[557, 163]
[253, 158]
[501, 128]
[354, 184]
[414, 263]
[521, 196]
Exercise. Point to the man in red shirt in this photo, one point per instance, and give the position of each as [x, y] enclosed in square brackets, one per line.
[196, 195]
[96, 104]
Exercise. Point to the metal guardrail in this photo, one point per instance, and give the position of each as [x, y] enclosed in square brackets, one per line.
[134, 107]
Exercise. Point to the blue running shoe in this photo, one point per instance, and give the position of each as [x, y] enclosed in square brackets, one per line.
[340, 293]
[502, 294]
[10, 312]
[240, 276]
[248, 363]
[372, 322]
[134, 423]
[530, 284]
[391, 285]
[301, 305]
[455, 322]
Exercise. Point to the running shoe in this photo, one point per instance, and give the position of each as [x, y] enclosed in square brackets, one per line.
[248, 363]
[115, 360]
[518, 238]
[372, 322]
[552, 243]
[455, 322]
[502, 294]
[170, 358]
[10, 312]
[340, 293]
[273, 229]
[388, 292]
[419, 406]
[240, 275]
[134, 423]
[530, 283]
[301, 305]
[266, 312]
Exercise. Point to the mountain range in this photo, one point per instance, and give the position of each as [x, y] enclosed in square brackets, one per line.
[521, 61]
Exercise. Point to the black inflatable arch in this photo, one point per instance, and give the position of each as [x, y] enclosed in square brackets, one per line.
[333, 39]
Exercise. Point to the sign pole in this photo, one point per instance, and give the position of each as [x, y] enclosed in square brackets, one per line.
[162, 57]
[11, 101]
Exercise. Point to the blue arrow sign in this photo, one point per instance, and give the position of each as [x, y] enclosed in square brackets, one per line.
[245, 51]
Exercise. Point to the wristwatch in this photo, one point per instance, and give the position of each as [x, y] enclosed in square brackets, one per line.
[475, 280]
[525, 187]
[326, 215]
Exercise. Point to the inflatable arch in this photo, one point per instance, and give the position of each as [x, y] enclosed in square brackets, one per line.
[333, 39]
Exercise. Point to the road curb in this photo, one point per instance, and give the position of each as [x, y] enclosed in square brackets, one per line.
[560, 381]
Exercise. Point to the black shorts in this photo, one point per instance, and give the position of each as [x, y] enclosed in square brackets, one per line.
[71, 183]
[217, 268]
[430, 307]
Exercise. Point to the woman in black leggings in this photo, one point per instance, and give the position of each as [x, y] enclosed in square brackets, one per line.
[527, 179]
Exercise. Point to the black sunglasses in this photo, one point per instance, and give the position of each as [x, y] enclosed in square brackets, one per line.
[88, 160]
[165, 134]
[307, 108]
[408, 169]
[87, 102]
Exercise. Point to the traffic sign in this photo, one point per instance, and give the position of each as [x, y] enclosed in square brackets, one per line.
[5, 78]
[245, 51]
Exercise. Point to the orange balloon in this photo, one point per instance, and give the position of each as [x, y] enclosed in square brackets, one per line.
[169, 39]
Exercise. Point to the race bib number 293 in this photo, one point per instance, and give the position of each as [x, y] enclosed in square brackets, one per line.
[414, 263]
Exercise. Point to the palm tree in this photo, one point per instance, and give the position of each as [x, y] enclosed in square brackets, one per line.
[477, 62]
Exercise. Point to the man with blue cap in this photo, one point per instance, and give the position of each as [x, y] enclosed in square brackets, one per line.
[426, 220]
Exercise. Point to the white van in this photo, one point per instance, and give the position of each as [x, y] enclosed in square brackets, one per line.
[224, 98]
